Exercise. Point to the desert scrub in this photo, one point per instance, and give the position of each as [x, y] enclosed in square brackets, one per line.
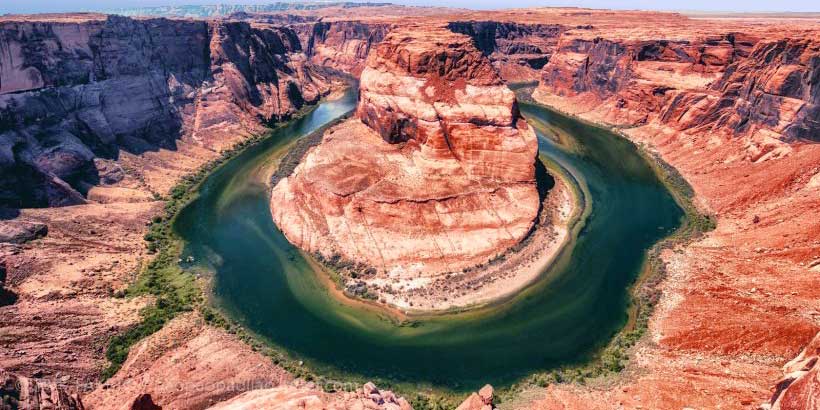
[174, 290]
[423, 401]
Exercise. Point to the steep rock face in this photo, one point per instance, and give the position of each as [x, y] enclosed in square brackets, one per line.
[639, 76]
[517, 50]
[18, 392]
[800, 386]
[729, 112]
[71, 92]
[775, 89]
[435, 173]
[343, 45]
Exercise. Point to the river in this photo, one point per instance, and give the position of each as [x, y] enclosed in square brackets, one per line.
[576, 306]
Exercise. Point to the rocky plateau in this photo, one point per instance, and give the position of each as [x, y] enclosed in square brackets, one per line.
[107, 113]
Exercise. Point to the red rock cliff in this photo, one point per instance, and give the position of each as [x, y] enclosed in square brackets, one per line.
[733, 84]
[74, 91]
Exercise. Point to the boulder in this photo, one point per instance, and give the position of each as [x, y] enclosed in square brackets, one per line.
[483, 400]
[14, 231]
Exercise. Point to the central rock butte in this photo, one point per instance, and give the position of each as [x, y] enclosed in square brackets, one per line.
[435, 174]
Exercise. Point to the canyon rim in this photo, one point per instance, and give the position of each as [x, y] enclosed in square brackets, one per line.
[108, 123]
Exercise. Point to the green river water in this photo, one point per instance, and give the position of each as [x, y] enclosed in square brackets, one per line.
[575, 307]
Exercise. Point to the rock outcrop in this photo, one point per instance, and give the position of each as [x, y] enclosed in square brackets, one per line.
[735, 84]
[17, 392]
[18, 232]
[342, 45]
[731, 103]
[435, 174]
[289, 397]
[483, 400]
[732, 106]
[640, 76]
[75, 91]
[518, 50]
[800, 386]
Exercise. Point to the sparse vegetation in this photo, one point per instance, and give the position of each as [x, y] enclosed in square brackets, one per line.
[175, 290]
[422, 401]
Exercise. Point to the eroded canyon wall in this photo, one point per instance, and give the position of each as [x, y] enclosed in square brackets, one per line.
[733, 107]
[732, 84]
[518, 50]
[74, 91]
[343, 45]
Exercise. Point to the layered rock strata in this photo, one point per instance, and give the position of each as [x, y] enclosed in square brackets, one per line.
[17, 392]
[738, 304]
[342, 45]
[435, 173]
[735, 84]
[736, 114]
[800, 386]
[518, 50]
[76, 94]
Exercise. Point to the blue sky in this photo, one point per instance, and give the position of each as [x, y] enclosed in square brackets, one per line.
[39, 6]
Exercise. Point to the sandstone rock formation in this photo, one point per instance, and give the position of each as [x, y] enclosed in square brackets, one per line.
[435, 174]
[342, 45]
[483, 400]
[25, 393]
[731, 84]
[733, 108]
[188, 364]
[800, 386]
[518, 50]
[76, 90]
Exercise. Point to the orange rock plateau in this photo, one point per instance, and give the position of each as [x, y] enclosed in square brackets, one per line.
[107, 113]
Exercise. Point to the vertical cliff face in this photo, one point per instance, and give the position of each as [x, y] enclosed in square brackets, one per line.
[435, 91]
[435, 173]
[638, 75]
[736, 115]
[71, 92]
[777, 88]
[517, 50]
[342, 45]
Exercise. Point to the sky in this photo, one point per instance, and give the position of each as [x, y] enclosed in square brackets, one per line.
[43, 6]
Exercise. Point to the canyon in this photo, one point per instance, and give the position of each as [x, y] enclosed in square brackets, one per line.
[92, 104]
[107, 113]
